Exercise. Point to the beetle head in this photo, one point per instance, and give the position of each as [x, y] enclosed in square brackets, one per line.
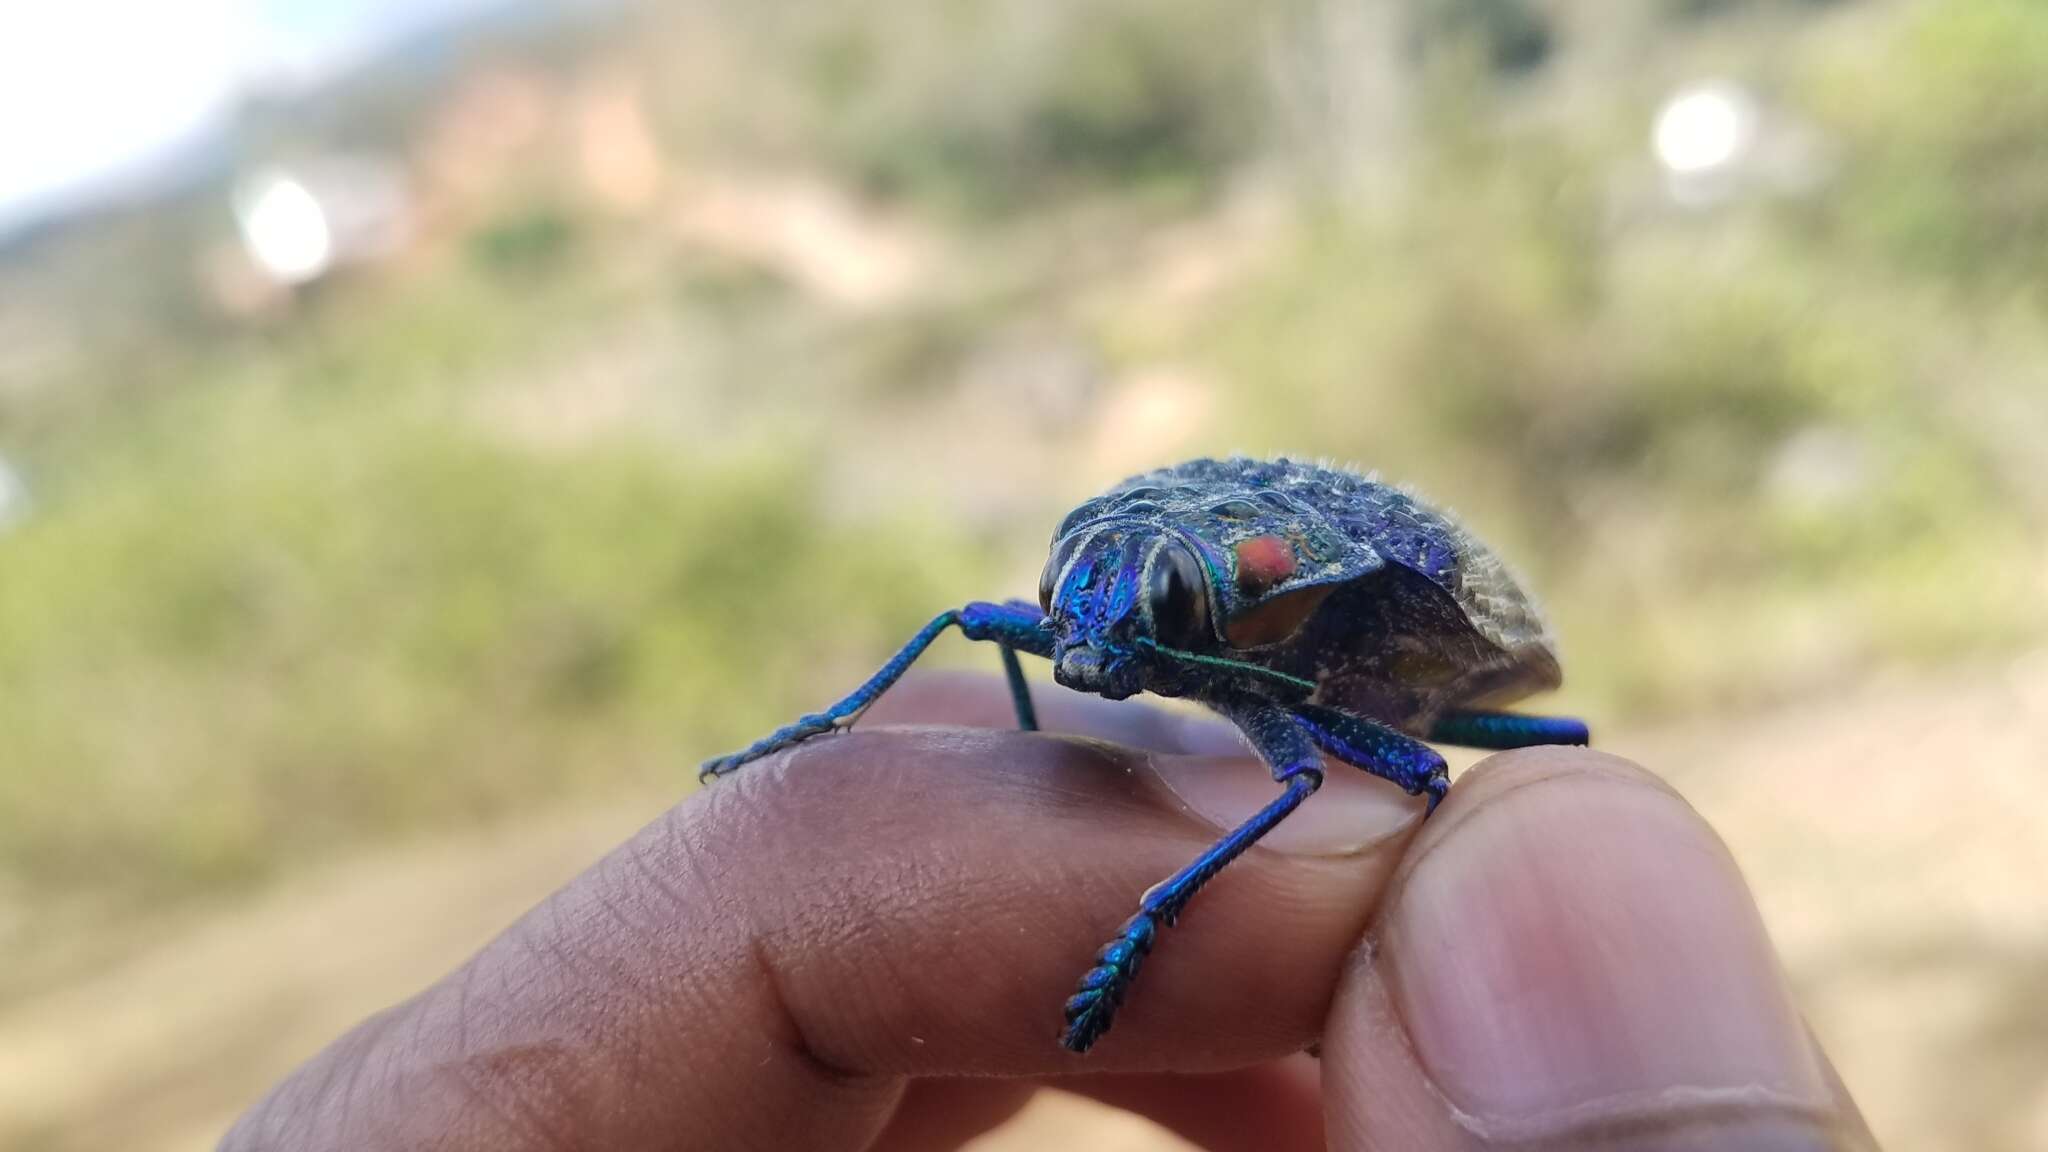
[1115, 593]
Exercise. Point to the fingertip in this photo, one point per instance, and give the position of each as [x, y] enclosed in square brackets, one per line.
[1569, 951]
[1495, 780]
[1506, 772]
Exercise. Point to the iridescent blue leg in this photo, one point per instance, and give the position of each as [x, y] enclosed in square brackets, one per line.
[1378, 749]
[1283, 744]
[1014, 626]
[1498, 730]
[1020, 691]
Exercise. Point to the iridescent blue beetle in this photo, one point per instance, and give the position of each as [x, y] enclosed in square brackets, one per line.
[1321, 611]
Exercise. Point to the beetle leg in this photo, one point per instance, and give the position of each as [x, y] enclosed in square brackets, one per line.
[1015, 626]
[1378, 749]
[1020, 690]
[1285, 745]
[1472, 728]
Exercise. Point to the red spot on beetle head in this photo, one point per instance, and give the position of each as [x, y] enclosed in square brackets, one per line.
[1263, 561]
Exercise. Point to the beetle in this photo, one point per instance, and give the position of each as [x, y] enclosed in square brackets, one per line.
[1321, 611]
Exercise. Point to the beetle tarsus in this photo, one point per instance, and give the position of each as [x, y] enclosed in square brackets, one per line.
[1017, 627]
[815, 724]
[1281, 740]
[1438, 784]
[1092, 1007]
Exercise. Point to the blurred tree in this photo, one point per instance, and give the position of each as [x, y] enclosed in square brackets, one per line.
[1509, 35]
[1941, 129]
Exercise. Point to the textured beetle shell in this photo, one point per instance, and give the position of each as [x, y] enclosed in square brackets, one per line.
[1420, 615]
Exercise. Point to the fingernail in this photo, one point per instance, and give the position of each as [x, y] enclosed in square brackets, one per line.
[1592, 961]
[1352, 812]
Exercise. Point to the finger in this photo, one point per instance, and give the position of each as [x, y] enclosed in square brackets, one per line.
[765, 966]
[983, 701]
[1275, 1107]
[1569, 959]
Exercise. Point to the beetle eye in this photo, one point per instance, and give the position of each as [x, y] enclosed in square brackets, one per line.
[1045, 583]
[1177, 599]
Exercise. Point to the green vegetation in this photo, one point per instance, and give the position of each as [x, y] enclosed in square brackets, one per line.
[276, 608]
[983, 107]
[1730, 481]
[566, 501]
[1942, 125]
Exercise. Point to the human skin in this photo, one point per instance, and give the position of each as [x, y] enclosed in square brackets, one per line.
[863, 943]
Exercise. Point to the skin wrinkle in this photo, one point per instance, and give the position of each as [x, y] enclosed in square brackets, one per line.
[827, 1078]
[639, 853]
[654, 888]
[800, 1046]
[625, 900]
[764, 996]
[1036, 788]
[924, 880]
[591, 996]
[858, 921]
[373, 1031]
[1630, 1114]
[627, 1032]
[611, 936]
[795, 1036]
[515, 982]
[464, 1005]
[516, 1119]
[386, 1053]
[537, 1089]
[691, 857]
[620, 920]
[348, 1055]
[543, 941]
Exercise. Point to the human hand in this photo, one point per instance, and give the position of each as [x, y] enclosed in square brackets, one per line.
[864, 944]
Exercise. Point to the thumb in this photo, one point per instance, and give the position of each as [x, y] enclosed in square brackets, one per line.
[1569, 959]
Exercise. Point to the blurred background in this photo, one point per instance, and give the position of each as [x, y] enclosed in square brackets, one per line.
[427, 429]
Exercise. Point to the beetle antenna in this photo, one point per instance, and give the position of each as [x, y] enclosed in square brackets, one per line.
[1305, 687]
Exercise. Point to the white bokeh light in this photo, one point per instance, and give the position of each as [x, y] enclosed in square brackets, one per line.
[284, 227]
[13, 495]
[1703, 129]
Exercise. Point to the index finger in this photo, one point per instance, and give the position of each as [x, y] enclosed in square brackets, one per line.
[768, 963]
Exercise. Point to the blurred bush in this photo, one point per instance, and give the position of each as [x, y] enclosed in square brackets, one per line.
[297, 603]
[1509, 35]
[984, 108]
[592, 484]
[1941, 124]
[1733, 478]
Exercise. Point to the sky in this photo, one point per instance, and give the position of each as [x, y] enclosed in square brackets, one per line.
[98, 94]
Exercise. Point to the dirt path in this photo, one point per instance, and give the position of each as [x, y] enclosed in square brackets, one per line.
[1894, 837]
